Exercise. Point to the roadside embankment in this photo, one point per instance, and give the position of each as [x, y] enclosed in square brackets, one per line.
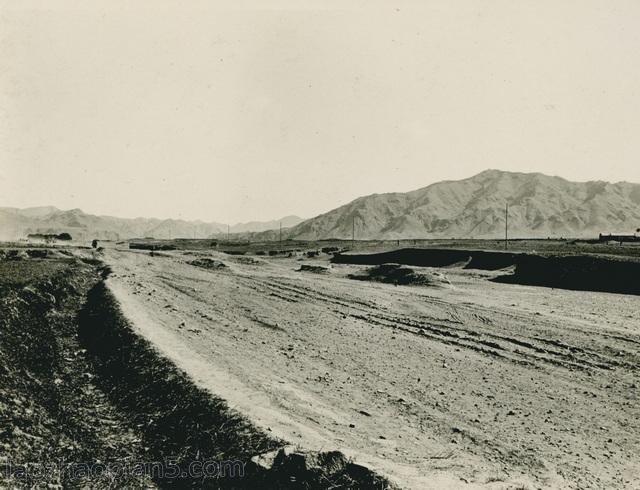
[58, 430]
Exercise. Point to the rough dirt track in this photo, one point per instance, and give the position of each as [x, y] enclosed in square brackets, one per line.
[475, 385]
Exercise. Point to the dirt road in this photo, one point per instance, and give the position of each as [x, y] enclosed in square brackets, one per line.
[476, 384]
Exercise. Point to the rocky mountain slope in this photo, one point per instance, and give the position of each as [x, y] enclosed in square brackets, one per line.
[539, 206]
[18, 223]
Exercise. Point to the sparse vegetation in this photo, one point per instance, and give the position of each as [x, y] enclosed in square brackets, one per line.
[49, 403]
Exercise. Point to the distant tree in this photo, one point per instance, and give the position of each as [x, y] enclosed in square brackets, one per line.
[94, 243]
[64, 236]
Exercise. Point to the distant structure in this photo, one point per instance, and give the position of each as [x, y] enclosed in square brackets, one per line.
[110, 244]
[620, 237]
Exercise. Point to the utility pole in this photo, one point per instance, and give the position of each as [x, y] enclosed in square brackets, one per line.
[353, 230]
[506, 226]
[227, 232]
[281, 234]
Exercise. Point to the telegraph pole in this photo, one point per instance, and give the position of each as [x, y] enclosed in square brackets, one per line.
[227, 232]
[281, 234]
[506, 226]
[353, 230]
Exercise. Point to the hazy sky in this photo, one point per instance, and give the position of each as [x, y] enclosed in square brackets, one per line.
[239, 112]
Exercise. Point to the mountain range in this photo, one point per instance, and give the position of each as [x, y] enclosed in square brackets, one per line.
[539, 206]
[18, 223]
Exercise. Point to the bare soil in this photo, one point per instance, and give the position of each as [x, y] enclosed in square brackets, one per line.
[477, 385]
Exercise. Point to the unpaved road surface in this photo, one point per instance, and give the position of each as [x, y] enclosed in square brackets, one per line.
[473, 385]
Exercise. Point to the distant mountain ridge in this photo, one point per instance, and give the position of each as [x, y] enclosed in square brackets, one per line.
[17, 223]
[539, 206]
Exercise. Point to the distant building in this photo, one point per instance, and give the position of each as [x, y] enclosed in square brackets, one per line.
[620, 237]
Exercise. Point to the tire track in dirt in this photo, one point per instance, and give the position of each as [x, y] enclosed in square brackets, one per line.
[508, 348]
[530, 411]
[449, 330]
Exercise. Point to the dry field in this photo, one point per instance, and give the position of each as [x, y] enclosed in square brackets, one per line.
[459, 382]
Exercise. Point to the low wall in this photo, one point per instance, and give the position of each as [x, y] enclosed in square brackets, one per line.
[578, 272]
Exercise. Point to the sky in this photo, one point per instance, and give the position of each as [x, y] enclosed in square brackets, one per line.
[236, 111]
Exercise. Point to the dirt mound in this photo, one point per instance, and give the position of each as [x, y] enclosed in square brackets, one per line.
[317, 269]
[309, 468]
[196, 253]
[207, 263]
[33, 253]
[330, 250]
[246, 260]
[13, 254]
[38, 253]
[402, 275]
[153, 253]
[44, 253]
